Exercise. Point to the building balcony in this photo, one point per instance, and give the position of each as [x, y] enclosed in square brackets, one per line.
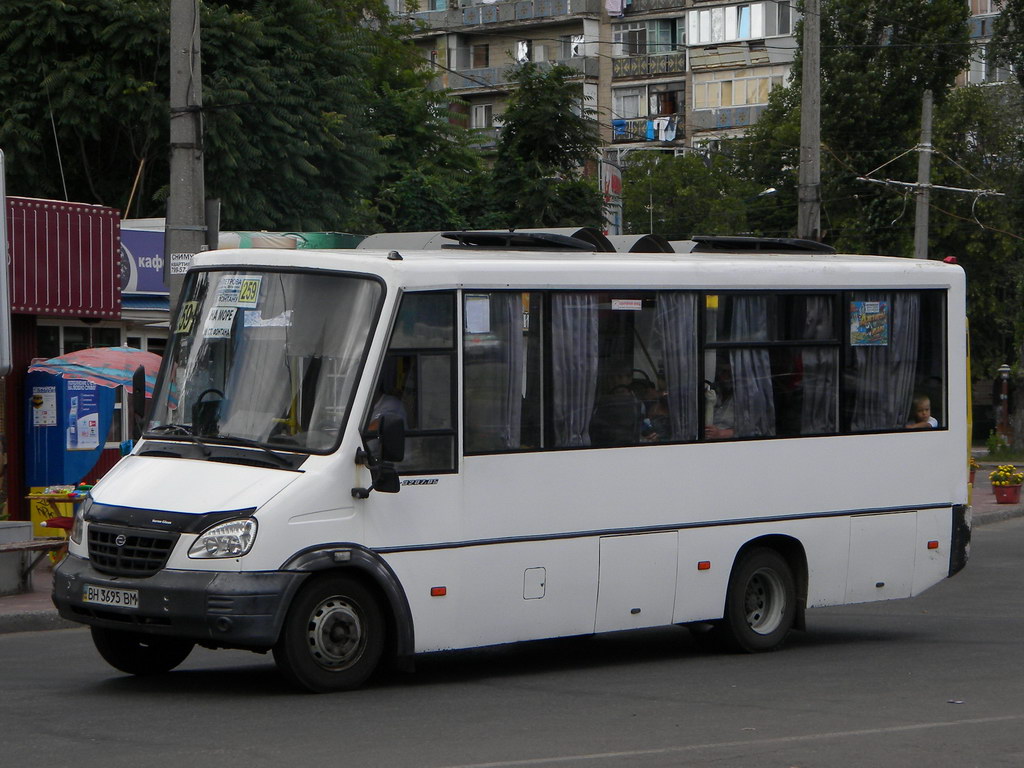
[496, 78]
[725, 117]
[630, 67]
[506, 13]
[659, 128]
[642, 6]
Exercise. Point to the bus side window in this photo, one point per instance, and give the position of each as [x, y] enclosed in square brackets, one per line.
[416, 381]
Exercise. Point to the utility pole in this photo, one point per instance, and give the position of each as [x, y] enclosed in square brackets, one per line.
[809, 192]
[185, 232]
[922, 187]
[924, 170]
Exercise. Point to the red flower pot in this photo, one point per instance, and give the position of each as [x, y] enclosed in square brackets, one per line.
[1007, 494]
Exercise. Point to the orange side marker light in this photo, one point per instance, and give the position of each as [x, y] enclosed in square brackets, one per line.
[438, 591]
[704, 565]
[933, 545]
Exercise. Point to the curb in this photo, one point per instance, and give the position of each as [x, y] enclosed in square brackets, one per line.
[34, 621]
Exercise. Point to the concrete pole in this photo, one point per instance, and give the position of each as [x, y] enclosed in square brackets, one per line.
[924, 169]
[809, 192]
[185, 228]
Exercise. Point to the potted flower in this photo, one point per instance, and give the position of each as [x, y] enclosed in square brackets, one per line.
[1006, 481]
[973, 466]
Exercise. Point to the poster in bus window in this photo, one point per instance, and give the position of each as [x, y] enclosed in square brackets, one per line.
[869, 323]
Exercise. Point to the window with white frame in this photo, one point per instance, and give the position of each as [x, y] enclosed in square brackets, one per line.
[643, 37]
[983, 7]
[736, 89]
[626, 103]
[984, 69]
[746, 21]
[482, 116]
[629, 39]
[571, 46]
[667, 99]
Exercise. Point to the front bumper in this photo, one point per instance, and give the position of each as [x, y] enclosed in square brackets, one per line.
[218, 609]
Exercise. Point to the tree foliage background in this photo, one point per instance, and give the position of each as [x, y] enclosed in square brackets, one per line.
[549, 137]
[316, 114]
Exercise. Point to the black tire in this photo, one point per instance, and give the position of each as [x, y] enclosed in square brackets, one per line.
[333, 635]
[760, 604]
[139, 654]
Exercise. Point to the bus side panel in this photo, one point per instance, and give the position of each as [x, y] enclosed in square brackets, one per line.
[435, 619]
[526, 591]
[881, 556]
[500, 593]
[931, 565]
[700, 593]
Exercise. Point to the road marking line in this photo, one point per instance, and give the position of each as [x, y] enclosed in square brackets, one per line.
[732, 744]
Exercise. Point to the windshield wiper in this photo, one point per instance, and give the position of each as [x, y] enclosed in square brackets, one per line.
[184, 430]
[248, 443]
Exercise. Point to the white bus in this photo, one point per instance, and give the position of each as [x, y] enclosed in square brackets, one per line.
[360, 455]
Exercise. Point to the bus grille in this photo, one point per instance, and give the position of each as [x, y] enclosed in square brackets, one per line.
[129, 551]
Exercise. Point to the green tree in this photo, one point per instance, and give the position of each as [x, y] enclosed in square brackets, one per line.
[878, 57]
[977, 140]
[309, 106]
[548, 141]
[691, 194]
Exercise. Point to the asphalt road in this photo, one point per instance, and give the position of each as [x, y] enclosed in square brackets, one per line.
[933, 681]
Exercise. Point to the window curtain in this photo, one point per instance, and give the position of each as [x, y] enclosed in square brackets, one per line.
[753, 402]
[574, 366]
[493, 381]
[508, 313]
[676, 323]
[884, 374]
[819, 395]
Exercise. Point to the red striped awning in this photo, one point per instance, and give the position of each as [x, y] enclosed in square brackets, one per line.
[65, 258]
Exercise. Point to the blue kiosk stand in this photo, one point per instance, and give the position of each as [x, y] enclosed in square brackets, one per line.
[67, 423]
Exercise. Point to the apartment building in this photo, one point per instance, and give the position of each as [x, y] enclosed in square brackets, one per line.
[662, 74]
[983, 70]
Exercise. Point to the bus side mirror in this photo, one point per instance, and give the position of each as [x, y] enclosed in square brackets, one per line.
[138, 402]
[384, 444]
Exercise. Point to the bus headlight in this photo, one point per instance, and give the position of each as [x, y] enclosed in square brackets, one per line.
[231, 539]
[78, 526]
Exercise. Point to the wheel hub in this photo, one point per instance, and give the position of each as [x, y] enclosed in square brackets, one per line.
[764, 601]
[335, 634]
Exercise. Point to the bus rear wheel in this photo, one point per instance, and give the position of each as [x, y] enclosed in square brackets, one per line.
[760, 604]
[139, 654]
[333, 635]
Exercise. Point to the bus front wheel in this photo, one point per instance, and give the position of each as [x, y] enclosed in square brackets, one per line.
[760, 603]
[333, 635]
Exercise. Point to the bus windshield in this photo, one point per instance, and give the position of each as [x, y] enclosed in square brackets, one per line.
[266, 358]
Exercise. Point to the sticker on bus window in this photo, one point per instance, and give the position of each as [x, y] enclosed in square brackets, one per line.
[234, 291]
[869, 323]
[478, 313]
[627, 305]
[219, 322]
[187, 318]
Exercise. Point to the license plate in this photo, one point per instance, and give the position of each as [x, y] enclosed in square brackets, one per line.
[121, 598]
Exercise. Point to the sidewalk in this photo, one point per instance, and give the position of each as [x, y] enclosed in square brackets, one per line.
[33, 610]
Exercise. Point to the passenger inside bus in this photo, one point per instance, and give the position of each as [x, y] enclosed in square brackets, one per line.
[921, 413]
